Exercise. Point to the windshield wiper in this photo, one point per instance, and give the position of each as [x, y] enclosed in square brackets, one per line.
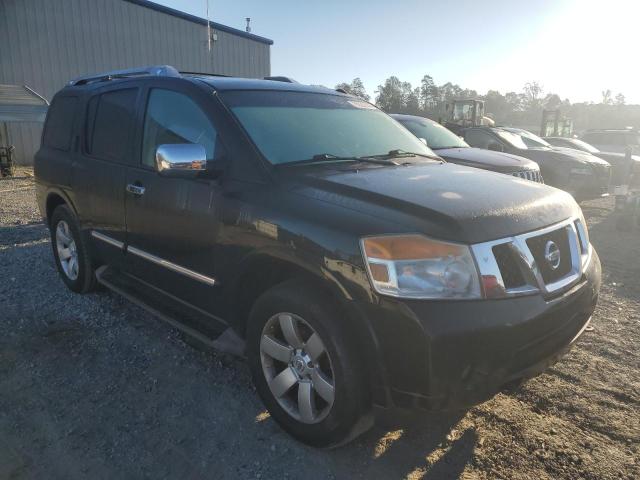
[404, 154]
[331, 158]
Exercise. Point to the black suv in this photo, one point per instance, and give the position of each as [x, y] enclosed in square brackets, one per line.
[309, 231]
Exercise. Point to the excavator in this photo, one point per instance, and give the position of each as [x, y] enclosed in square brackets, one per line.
[461, 114]
[554, 124]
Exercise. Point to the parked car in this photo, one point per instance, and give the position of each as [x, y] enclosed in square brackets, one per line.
[585, 177]
[454, 149]
[620, 166]
[309, 231]
[614, 140]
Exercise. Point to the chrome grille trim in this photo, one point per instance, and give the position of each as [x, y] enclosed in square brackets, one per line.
[531, 175]
[534, 283]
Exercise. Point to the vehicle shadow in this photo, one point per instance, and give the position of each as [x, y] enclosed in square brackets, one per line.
[410, 444]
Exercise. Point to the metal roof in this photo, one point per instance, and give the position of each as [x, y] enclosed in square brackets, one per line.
[200, 20]
[18, 103]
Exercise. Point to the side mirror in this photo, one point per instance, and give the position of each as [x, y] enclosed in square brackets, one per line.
[423, 140]
[496, 147]
[181, 160]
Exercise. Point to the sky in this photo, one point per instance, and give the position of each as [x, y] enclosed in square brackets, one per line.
[575, 48]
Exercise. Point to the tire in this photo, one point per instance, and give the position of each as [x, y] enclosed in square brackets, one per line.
[66, 236]
[333, 416]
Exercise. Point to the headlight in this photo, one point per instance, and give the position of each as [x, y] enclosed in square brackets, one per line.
[583, 234]
[413, 266]
[581, 171]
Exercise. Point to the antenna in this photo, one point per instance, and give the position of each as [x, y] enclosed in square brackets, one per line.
[248, 19]
[208, 28]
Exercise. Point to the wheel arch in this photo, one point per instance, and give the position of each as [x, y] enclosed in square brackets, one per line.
[265, 270]
[54, 199]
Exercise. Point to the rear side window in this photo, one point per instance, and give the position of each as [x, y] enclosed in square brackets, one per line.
[110, 120]
[62, 114]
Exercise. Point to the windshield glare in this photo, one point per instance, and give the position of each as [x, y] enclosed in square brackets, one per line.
[584, 146]
[435, 134]
[512, 139]
[530, 139]
[293, 126]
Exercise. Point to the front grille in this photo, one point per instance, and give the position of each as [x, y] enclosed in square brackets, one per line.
[519, 265]
[538, 245]
[532, 175]
[508, 265]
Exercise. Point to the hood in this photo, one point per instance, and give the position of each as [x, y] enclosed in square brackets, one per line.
[446, 201]
[617, 158]
[557, 158]
[487, 159]
[582, 156]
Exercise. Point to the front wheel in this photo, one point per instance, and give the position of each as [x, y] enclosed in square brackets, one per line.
[304, 367]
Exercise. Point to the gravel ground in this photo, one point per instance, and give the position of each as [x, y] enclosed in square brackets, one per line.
[94, 387]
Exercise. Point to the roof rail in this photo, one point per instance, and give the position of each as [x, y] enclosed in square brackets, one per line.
[281, 79]
[154, 70]
[204, 74]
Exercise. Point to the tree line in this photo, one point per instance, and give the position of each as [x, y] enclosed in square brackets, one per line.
[522, 109]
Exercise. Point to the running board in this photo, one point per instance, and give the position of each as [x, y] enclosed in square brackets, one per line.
[202, 326]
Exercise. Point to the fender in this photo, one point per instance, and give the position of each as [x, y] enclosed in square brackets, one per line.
[51, 191]
[291, 262]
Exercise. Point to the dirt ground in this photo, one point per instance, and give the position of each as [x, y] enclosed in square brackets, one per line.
[94, 387]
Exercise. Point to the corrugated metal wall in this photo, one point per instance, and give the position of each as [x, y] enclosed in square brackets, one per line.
[45, 43]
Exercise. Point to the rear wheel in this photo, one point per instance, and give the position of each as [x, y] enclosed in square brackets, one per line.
[71, 251]
[305, 369]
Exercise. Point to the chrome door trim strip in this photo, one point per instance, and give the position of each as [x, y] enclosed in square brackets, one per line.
[107, 239]
[171, 266]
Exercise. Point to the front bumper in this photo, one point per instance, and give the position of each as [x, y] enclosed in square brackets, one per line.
[449, 355]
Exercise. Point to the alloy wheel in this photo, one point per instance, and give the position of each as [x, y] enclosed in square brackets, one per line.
[67, 251]
[297, 367]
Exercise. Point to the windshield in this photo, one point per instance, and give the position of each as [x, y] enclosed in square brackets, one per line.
[435, 134]
[531, 140]
[583, 146]
[512, 139]
[293, 126]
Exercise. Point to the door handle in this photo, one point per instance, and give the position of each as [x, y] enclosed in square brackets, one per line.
[137, 190]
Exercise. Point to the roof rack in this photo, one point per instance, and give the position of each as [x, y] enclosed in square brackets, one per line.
[281, 79]
[155, 70]
[204, 74]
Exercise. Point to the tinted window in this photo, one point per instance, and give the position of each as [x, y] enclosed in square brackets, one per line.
[479, 139]
[110, 119]
[172, 118]
[435, 134]
[530, 140]
[60, 118]
[291, 126]
[584, 146]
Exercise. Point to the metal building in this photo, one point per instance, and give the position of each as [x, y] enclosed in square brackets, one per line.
[45, 43]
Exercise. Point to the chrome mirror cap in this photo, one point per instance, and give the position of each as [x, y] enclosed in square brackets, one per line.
[181, 157]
